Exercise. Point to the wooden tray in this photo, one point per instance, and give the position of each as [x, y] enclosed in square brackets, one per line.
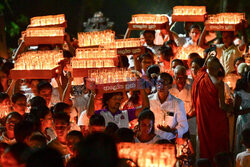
[64, 24]
[114, 87]
[130, 51]
[34, 41]
[223, 27]
[83, 72]
[189, 18]
[33, 74]
[133, 26]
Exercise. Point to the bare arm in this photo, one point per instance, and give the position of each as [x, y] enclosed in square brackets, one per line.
[10, 90]
[202, 40]
[244, 36]
[91, 105]
[66, 93]
[145, 102]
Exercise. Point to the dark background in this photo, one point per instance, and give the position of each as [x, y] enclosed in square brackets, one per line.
[17, 13]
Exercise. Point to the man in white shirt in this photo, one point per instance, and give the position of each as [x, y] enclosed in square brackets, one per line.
[169, 111]
[149, 36]
[243, 158]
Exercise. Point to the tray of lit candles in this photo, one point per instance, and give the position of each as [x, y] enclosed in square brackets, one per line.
[44, 35]
[129, 46]
[184, 52]
[225, 22]
[112, 80]
[48, 21]
[37, 65]
[148, 154]
[148, 22]
[96, 38]
[189, 13]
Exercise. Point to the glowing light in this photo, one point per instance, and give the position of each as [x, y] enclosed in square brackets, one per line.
[95, 38]
[82, 63]
[149, 19]
[38, 60]
[225, 18]
[47, 20]
[183, 53]
[124, 43]
[45, 32]
[95, 53]
[189, 10]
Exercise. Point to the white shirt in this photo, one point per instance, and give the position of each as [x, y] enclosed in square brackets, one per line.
[243, 159]
[227, 56]
[153, 141]
[181, 39]
[83, 119]
[185, 96]
[163, 115]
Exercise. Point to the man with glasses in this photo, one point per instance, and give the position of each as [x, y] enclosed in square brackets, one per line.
[170, 116]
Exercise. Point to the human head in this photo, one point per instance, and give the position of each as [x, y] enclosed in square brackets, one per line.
[4, 98]
[15, 155]
[43, 117]
[146, 120]
[111, 128]
[45, 157]
[96, 123]
[62, 107]
[37, 141]
[125, 135]
[61, 125]
[112, 101]
[149, 36]
[223, 159]
[19, 103]
[164, 83]
[11, 120]
[94, 147]
[175, 63]
[242, 68]
[37, 101]
[45, 47]
[146, 60]
[33, 85]
[246, 137]
[72, 138]
[196, 64]
[215, 68]
[44, 89]
[191, 57]
[202, 162]
[180, 76]
[187, 26]
[237, 62]
[243, 83]
[194, 32]
[23, 131]
[228, 38]
[166, 53]
[153, 71]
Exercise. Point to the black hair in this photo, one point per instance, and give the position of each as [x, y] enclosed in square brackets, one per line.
[43, 85]
[45, 45]
[203, 162]
[165, 76]
[123, 62]
[239, 59]
[7, 67]
[3, 96]
[246, 137]
[178, 61]
[107, 96]
[15, 115]
[94, 147]
[60, 107]
[166, 52]
[96, 120]
[153, 69]
[39, 138]
[23, 129]
[19, 151]
[45, 157]
[125, 135]
[193, 55]
[67, 54]
[76, 134]
[147, 114]
[17, 96]
[163, 141]
[111, 128]
[194, 26]
[199, 61]
[146, 55]
[62, 116]
[39, 113]
[242, 84]
[223, 159]
[37, 101]
[149, 31]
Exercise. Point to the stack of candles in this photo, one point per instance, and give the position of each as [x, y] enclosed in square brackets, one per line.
[95, 53]
[4, 111]
[148, 155]
[45, 32]
[149, 19]
[95, 38]
[189, 10]
[47, 20]
[104, 76]
[124, 43]
[87, 63]
[39, 60]
[183, 52]
[226, 18]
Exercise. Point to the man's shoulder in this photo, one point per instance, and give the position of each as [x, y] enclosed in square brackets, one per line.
[152, 96]
[176, 99]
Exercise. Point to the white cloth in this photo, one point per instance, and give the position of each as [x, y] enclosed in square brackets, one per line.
[181, 39]
[55, 97]
[83, 119]
[80, 103]
[4, 139]
[243, 159]
[189, 43]
[153, 141]
[185, 96]
[171, 113]
[227, 56]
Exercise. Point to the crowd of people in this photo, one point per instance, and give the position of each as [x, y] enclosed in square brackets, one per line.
[54, 123]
